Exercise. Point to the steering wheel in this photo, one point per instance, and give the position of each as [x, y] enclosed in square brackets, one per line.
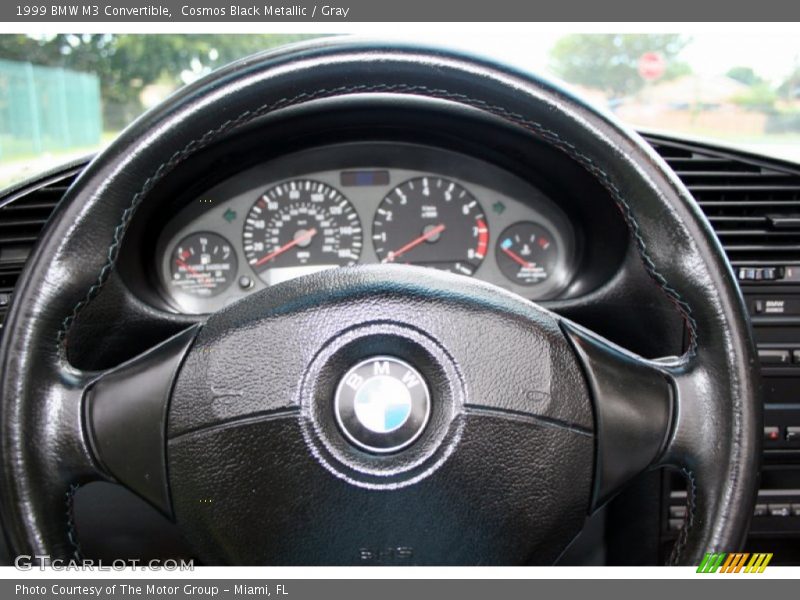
[245, 429]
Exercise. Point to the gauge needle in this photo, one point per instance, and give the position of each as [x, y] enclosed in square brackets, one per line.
[192, 270]
[298, 240]
[413, 243]
[517, 258]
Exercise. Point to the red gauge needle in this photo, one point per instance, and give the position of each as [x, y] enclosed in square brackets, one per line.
[517, 258]
[192, 270]
[415, 242]
[298, 240]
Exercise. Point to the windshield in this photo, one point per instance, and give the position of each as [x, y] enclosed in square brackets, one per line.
[64, 96]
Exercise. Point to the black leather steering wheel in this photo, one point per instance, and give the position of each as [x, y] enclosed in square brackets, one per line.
[529, 431]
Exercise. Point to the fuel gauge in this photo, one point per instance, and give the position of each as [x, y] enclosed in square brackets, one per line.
[526, 253]
[203, 264]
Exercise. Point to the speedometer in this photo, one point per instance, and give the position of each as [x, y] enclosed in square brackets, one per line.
[433, 222]
[299, 227]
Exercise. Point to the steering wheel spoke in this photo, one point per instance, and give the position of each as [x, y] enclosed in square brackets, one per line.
[634, 403]
[125, 411]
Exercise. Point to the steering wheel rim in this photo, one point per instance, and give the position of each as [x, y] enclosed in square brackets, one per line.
[712, 430]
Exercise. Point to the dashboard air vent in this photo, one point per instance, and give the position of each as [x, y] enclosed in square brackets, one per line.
[23, 213]
[753, 205]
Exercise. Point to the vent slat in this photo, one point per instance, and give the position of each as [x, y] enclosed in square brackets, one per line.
[760, 189]
[26, 206]
[737, 219]
[11, 266]
[734, 178]
[756, 232]
[698, 164]
[21, 222]
[763, 261]
[752, 204]
[762, 247]
[695, 159]
[19, 238]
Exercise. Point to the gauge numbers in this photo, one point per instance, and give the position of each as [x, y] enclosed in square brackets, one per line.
[203, 264]
[298, 227]
[433, 222]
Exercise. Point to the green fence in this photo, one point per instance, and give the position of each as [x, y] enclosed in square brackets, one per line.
[47, 109]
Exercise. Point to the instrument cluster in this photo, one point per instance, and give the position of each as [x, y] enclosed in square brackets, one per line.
[362, 203]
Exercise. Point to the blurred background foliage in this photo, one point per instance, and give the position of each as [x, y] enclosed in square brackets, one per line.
[610, 62]
[730, 102]
[127, 64]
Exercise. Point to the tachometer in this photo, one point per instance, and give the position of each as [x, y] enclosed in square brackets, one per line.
[203, 264]
[298, 227]
[433, 222]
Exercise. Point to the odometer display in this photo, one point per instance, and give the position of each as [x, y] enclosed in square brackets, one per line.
[298, 227]
[433, 222]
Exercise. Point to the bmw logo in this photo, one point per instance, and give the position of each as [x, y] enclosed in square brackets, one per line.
[382, 404]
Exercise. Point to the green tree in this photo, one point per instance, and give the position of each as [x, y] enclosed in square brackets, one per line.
[127, 63]
[790, 87]
[759, 97]
[745, 75]
[609, 62]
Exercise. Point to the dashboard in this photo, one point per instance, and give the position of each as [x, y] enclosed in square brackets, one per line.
[726, 184]
[359, 203]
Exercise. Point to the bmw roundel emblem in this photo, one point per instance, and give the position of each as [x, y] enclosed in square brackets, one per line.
[382, 404]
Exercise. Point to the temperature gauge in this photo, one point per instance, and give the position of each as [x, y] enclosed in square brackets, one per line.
[526, 253]
[203, 264]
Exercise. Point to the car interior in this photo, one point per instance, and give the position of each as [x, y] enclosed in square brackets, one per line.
[605, 324]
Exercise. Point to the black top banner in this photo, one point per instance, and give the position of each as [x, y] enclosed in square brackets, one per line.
[400, 11]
